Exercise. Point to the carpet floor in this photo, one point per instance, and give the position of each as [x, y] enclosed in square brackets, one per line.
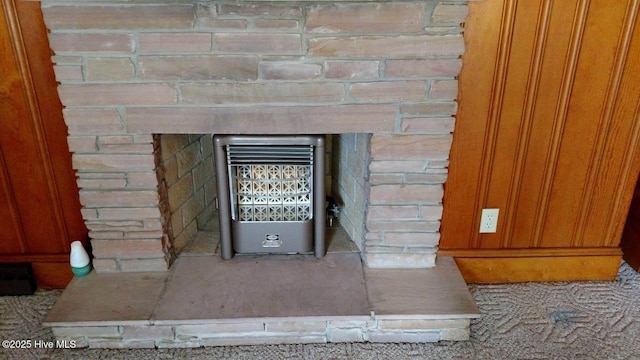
[561, 320]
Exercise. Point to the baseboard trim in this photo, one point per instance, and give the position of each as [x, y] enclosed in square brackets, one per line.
[523, 266]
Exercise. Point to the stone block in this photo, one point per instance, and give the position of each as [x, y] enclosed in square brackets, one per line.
[385, 147]
[174, 42]
[113, 162]
[260, 9]
[192, 208]
[117, 17]
[180, 191]
[93, 121]
[78, 341]
[377, 336]
[105, 265]
[401, 225]
[146, 332]
[129, 213]
[142, 264]
[283, 70]
[92, 42]
[189, 231]
[114, 69]
[447, 108]
[171, 144]
[389, 91]
[396, 166]
[424, 68]
[435, 125]
[203, 173]
[221, 24]
[282, 92]
[346, 335]
[381, 46]
[265, 119]
[258, 43]
[90, 198]
[178, 344]
[296, 326]
[68, 72]
[365, 69]
[144, 180]
[460, 334]
[407, 194]
[210, 330]
[428, 178]
[444, 90]
[276, 24]
[412, 239]
[125, 344]
[97, 332]
[127, 248]
[422, 324]
[268, 339]
[449, 13]
[198, 67]
[432, 212]
[188, 158]
[400, 260]
[117, 94]
[365, 18]
[80, 144]
[393, 212]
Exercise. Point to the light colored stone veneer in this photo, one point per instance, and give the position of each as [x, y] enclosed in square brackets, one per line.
[187, 184]
[262, 332]
[130, 70]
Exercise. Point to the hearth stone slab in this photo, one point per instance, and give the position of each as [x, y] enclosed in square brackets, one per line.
[411, 298]
[108, 299]
[259, 286]
[135, 310]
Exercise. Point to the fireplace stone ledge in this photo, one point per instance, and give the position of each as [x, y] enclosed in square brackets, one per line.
[425, 305]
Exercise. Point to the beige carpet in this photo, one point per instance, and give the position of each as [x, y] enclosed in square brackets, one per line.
[586, 320]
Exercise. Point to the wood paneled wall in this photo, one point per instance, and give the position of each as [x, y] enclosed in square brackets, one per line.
[547, 131]
[39, 206]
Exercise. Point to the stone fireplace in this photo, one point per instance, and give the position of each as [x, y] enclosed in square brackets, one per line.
[146, 84]
[130, 72]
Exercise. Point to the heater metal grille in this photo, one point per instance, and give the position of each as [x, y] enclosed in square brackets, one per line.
[271, 183]
[271, 194]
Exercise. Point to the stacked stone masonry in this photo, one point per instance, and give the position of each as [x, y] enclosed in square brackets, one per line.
[262, 332]
[130, 70]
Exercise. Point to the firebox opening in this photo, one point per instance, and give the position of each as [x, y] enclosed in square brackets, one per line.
[188, 191]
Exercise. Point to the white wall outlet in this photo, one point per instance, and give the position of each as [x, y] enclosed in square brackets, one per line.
[489, 220]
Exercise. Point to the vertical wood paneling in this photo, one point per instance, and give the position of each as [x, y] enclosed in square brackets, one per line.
[526, 120]
[489, 162]
[480, 67]
[13, 240]
[558, 132]
[626, 106]
[584, 124]
[551, 115]
[40, 205]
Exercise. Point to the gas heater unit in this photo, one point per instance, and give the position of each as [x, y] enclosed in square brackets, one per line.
[271, 196]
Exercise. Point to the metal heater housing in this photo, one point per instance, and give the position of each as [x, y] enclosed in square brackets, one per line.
[271, 196]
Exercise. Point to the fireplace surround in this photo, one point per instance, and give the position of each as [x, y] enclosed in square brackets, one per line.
[131, 70]
[145, 84]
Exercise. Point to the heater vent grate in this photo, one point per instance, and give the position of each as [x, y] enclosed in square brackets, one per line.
[271, 183]
[259, 154]
[271, 194]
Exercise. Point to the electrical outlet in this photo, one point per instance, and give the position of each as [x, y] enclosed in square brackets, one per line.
[489, 220]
